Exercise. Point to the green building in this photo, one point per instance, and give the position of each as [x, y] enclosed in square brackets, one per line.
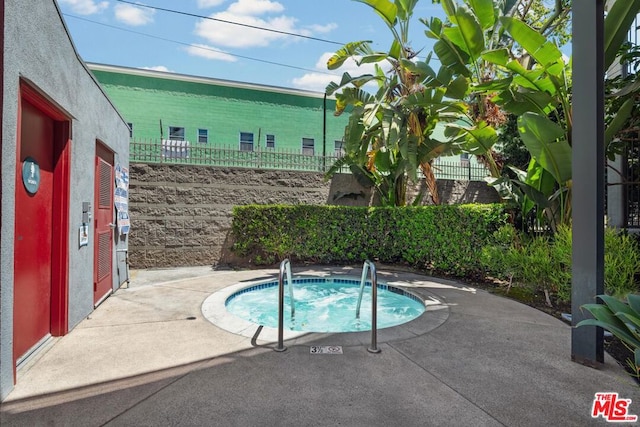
[204, 112]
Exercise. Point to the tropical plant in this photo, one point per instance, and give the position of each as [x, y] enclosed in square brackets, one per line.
[543, 263]
[620, 318]
[471, 28]
[622, 106]
[621, 263]
[526, 75]
[510, 67]
[389, 135]
[550, 18]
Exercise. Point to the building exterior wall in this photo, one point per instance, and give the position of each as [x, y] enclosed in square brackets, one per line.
[181, 215]
[39, 52]
[152, 100]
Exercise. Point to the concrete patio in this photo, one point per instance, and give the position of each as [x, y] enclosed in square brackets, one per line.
[147, 357]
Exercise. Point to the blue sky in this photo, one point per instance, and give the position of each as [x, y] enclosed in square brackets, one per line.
[118, 33]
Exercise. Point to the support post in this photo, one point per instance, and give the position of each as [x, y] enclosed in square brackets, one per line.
[587, 342]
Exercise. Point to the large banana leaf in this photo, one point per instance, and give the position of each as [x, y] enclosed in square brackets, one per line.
[450, 57]
[405, 9]
[619, 120]
[422, 70]
[484, 11]
[467, 33]
[540, 179]
[347, 80]
[546, 142]
[352, 96]
[616, 27]
[531, 79]
[520, 102]
[458, 89]
[536, 45]
[478, 139]
[359, 48]
[385, 8]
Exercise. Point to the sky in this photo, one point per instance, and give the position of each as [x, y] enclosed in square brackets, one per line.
[125, 33]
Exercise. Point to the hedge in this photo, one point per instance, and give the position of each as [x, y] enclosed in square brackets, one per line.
[442, 239]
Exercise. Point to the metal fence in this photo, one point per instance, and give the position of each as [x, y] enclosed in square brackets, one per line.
[464, 170]
[184, 152]
[632, 187]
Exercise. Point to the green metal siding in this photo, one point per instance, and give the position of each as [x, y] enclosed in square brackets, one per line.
[224, 111]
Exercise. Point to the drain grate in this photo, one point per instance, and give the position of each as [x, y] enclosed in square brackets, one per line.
[326, 349]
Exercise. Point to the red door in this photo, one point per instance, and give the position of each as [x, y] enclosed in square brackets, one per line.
[103, 224]
[33, 228]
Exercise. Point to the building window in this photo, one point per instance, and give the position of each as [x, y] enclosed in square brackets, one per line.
[271, 141]
[130, 129]
[246, 141]
[203, 136]
[308, 146]
[464, 159]
[176, 133]
[339, 148]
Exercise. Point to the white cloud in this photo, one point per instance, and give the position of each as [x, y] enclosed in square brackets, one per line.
[253, 13]
[85, 7]
[323, 28]
[255, 7]
[203, 4]
[157, 68]
[209, 52]
[229, 35]
[132, 15]
[314, 81]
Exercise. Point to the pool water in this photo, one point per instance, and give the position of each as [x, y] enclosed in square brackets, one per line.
[325, 305]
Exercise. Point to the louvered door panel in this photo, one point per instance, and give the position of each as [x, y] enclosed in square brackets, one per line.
[103, 231]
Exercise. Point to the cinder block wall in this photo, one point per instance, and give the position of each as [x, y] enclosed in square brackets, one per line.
[181, 215]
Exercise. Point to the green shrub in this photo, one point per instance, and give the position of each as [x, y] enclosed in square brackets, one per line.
[562, 254]
[443, 239]
[543, 263]
[501, 260]
[621, 263]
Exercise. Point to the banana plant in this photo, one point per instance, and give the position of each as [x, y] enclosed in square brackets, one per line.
[389, 136]
[479, 43]
[472, 28]
[621, 319]
[621, 106]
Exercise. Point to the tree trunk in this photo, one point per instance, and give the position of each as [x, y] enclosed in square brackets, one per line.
[430, 180]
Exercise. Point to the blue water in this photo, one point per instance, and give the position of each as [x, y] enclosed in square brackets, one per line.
[324, 307]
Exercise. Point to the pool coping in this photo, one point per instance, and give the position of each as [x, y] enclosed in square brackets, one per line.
[214, 310]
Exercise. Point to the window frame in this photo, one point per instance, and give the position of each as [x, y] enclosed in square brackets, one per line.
[245, 142]
[172, 133]
[273, 140]
[306, 148]
[206, 136]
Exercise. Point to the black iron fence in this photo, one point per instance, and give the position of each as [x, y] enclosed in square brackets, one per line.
[184, 152]
[632, 183]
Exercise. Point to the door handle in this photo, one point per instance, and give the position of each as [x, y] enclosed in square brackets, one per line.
[112, 225]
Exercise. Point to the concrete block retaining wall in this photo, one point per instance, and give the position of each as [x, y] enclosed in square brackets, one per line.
[181, 215]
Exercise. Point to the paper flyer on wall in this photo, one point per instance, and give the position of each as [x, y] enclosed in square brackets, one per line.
[121, 199]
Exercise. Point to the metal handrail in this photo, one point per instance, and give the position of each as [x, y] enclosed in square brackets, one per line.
[285, 267]
[369, 267]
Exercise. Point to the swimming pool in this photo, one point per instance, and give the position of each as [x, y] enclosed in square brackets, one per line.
[324, 304]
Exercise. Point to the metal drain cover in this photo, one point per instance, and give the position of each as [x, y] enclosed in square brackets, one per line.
[325, 349]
